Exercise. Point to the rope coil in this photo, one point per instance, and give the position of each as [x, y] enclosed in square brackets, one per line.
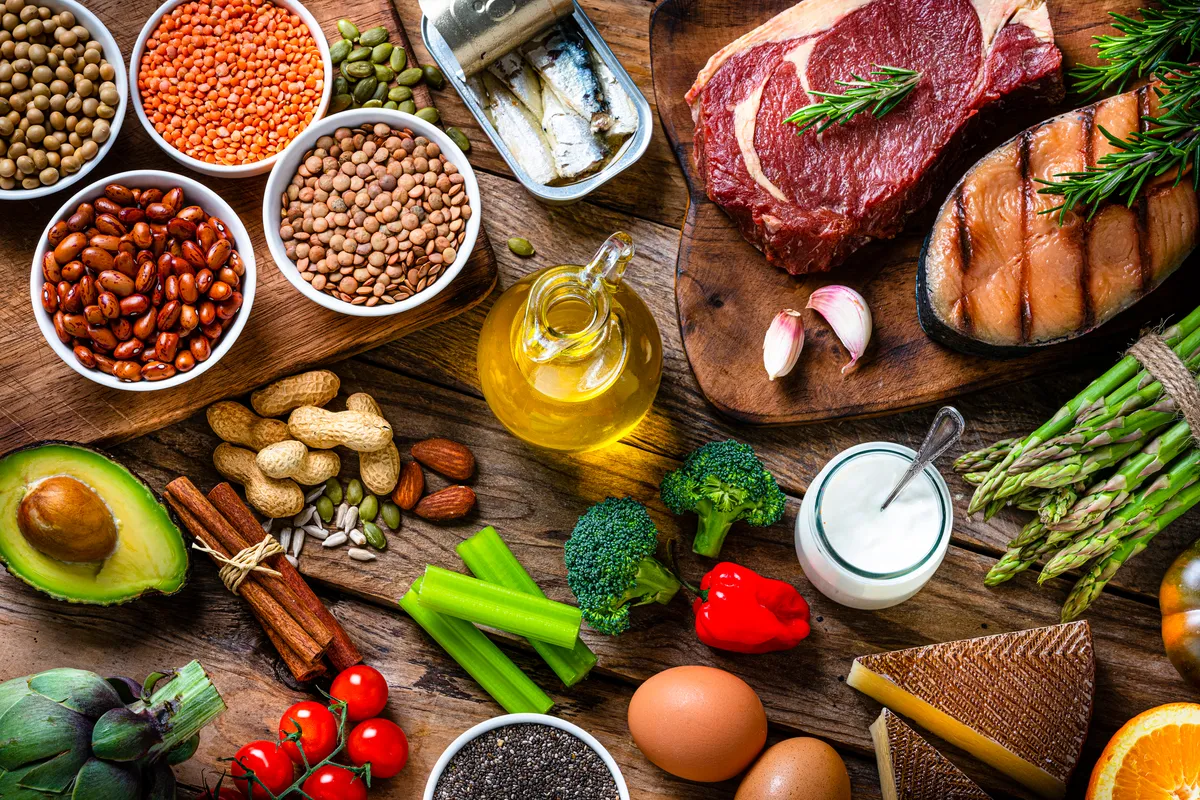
[1177, 380]
[235, 570]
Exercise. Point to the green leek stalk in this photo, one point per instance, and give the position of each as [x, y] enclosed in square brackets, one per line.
[486, 555]
[479, 656]
[496, 607]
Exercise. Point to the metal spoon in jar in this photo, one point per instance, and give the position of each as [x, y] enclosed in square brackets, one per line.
[948, 425]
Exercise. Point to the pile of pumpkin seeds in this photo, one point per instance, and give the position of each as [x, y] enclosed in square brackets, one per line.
[337, 515]
[374, 73]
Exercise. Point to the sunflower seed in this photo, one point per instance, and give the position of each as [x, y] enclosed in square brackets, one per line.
[316, 531]
[341, 515]
[285, 538]
[268, 524]
[351, 519]
[295, 562]
[312, 496]
[297, 542]
[335, 540]
[303, 516]
[360, 555]
[358, 537]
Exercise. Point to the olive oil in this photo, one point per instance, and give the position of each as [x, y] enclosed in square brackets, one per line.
[570, 357]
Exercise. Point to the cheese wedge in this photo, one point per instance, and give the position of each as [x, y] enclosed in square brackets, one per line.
[1020, 701]
[910, 769]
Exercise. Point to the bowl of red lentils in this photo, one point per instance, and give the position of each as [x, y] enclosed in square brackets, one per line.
[225, 86]
[372, 212]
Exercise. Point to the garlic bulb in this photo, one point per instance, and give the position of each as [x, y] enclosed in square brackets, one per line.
[783, 343]
[847, 313]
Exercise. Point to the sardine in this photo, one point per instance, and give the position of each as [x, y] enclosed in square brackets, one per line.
[620, 105]
[517, 74]
[561, 58]
[520, 130]
[575, 149]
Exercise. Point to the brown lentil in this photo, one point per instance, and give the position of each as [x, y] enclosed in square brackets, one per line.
[370, 216]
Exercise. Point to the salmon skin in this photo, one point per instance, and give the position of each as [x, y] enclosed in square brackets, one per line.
[998, 277]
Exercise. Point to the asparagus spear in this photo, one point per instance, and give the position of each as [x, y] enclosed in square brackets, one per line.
[984, 458]
[1089, 587]
[1076, 468]
[1057, 502]
[1141, 390]
[1137, 427]
[1019, 558]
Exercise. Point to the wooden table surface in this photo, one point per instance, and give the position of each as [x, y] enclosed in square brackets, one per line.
[427, 386]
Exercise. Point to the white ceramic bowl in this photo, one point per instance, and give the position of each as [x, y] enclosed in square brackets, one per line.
[517, 719]
[195, 193]
[112, 54]
[218, 170]
[285, 170]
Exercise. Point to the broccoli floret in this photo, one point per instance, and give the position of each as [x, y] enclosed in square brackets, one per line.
[611, 565]
[723, 482]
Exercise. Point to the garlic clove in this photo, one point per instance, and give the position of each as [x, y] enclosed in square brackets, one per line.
[847, 313]
[783, 343]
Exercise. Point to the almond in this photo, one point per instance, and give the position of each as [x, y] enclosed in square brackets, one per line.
[445, 457]
[450, 503]
[410, 487]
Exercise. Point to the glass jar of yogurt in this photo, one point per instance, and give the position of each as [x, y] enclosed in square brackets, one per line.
[856, 554]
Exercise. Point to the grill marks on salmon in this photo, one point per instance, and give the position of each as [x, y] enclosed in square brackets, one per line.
[997, 273]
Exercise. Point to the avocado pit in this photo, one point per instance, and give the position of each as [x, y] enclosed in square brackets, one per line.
[65, 519]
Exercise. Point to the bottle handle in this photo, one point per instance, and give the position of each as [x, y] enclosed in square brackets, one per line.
[607, 267]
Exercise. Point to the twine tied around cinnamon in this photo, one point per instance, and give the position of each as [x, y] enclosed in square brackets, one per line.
[235, 570]
[1166, 367]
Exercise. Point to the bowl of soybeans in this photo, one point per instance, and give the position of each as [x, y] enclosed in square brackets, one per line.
[225, 86]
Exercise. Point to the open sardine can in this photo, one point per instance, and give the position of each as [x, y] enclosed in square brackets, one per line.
[545, 87]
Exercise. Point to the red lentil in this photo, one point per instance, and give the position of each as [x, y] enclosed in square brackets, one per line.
[231, 82]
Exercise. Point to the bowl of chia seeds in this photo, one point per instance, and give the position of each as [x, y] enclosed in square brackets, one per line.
[531, 756]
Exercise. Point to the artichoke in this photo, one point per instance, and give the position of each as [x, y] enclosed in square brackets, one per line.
[69, 733]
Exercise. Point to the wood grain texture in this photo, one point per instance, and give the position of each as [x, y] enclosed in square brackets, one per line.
[42, 397]
[727, 294]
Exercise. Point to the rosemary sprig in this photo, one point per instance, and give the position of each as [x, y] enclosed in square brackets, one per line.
[879, 96]
[1143, 47]
[1180, 89]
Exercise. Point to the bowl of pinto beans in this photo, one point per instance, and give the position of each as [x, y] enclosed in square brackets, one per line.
[143, 280]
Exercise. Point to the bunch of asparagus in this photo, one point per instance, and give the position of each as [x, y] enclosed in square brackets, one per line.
[1112, 468]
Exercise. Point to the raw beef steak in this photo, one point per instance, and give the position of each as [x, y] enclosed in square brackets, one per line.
[808, 201]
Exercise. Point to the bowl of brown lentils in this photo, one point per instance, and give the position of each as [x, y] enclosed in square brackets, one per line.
[371, 212]
[63, 95]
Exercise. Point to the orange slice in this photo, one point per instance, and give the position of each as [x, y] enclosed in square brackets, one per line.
[1155, 756]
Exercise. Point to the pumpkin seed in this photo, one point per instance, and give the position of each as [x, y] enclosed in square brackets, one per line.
[347, 29]
[340, 84]
[354, 492]
[383, 73]
[459, 138]
[391, 104]
[380, 92]
[368, 509]
[433, 76]
[360, 69]
[344, 69]
[398, 59]
[410, 77]
[390, 513]
[381, 52]
[520, 246]
[364, 90]
[333, 490]
[340, 49]
[375, 537]
[372, 104]
[399, 94]
[324, 508]
[373, 36]
[340, 102]
[408, 107]
[429, 114]
[359, 54]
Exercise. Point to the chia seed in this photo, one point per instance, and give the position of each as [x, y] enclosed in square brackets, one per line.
[528, 761]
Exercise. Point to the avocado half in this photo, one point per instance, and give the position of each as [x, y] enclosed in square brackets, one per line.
[149, 554]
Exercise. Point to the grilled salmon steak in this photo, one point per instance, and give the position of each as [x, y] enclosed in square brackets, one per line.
[998, 276]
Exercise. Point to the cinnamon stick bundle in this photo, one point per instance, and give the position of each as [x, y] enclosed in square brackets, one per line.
[341, 652]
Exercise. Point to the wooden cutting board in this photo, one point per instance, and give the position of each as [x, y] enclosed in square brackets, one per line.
[42, 398]
[727, 294]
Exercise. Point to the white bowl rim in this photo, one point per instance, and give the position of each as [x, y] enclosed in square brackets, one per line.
[221, 170]
[518, 719]
[352, 119]
[214, 204]
[98, 30]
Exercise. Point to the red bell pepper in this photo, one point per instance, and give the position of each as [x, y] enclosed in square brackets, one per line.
[739, 610]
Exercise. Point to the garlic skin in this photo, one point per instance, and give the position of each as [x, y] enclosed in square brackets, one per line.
[783, 343]
[847, 313]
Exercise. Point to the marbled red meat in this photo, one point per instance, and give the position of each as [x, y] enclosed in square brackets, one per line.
[807, 201]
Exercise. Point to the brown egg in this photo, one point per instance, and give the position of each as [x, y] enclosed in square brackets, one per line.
[64, 519]
[699, 723]
[797, 769]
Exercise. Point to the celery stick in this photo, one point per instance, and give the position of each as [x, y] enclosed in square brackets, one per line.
[489, 558]
[496, 607]
[480, 657]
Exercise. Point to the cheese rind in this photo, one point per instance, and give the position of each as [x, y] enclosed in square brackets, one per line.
[911, 769]
[1021, 701]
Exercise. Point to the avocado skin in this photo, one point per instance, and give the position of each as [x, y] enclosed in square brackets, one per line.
[156, 518]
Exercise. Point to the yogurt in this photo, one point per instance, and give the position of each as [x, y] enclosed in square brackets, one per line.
[859, 554]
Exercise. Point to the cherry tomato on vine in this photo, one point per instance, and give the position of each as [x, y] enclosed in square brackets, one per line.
[380, 742]
[318, 731]
[270, 765]
[363, 689]
[332, 782]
